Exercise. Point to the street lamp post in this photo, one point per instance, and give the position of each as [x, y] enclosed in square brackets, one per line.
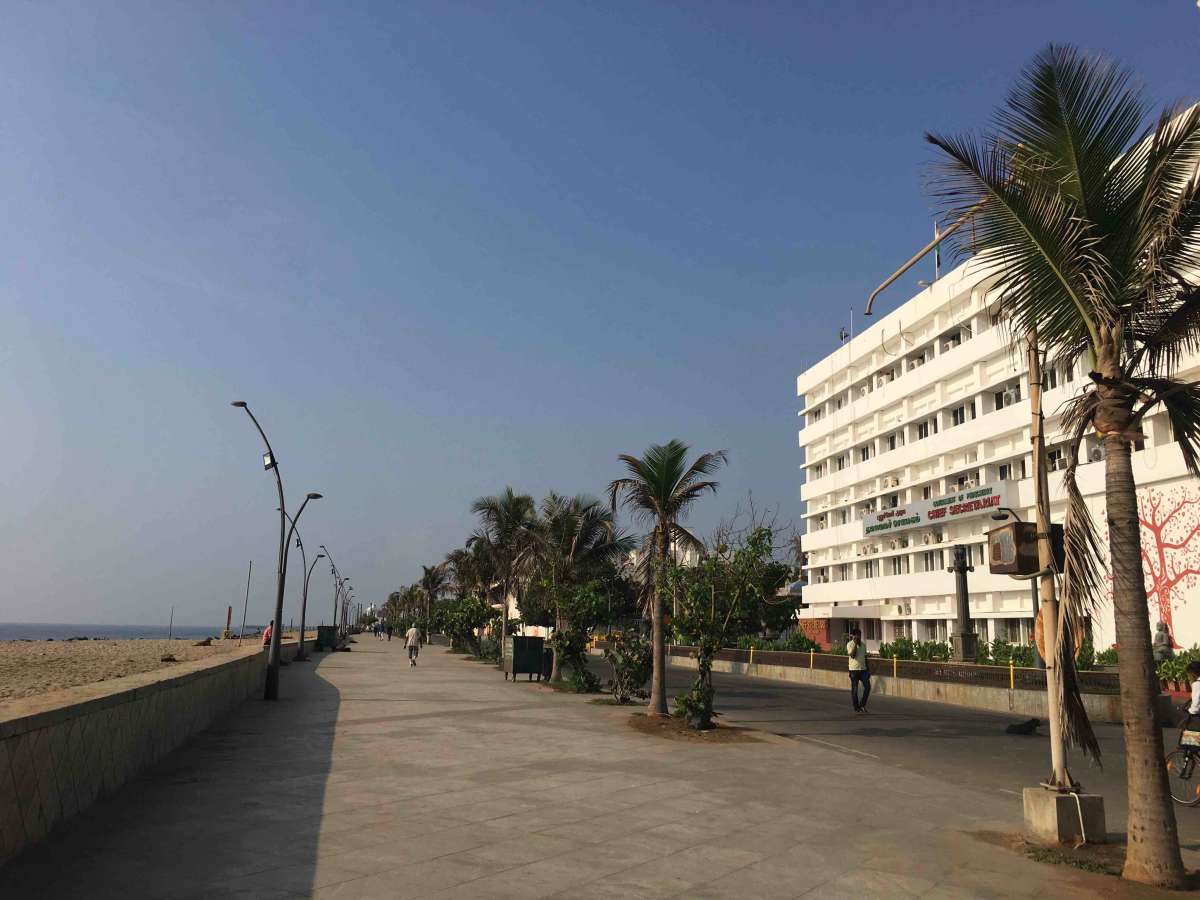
[301, 656]
[271, 689]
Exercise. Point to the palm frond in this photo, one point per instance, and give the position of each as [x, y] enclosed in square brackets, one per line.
[1181, 400]
[1081, 592]
[1076, 115]
[1036, 244]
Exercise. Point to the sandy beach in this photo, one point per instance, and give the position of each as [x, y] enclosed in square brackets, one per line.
[28, 668]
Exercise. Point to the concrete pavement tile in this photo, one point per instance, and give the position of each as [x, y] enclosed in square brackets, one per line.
[421, 879]
[525, 849]
[298, 878]
[863, 883]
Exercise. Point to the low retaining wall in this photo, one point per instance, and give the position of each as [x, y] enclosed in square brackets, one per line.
[61, 752]
[1019, 702]
[1019, 691]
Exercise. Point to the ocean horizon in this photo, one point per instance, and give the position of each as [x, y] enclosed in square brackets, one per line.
[51, 631]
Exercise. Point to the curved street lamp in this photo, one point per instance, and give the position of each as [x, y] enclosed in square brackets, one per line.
[271, 689]
[301, 656]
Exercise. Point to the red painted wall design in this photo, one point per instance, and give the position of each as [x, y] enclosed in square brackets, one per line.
[816, 630]
[1170, 553]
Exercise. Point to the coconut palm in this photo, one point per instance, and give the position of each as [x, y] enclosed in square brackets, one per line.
[433, 582]
[504, 521]
[1087, 215]
[658, 490]
[573, 540]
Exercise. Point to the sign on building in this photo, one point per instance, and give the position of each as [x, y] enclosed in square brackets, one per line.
[925, 513]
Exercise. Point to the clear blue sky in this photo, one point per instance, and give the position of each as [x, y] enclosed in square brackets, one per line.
[440, 248]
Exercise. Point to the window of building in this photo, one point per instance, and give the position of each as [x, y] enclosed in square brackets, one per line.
[842, 461]
[1069, 372]
[843, 516]
[927, 492]
[1012, 471]
[815, 415]
[891, 501]
[870, 568]
[962, 414]
[902, 629]
[844, 572]
[899, 565]
[1051, 378]
[864, 453]
[924, 429]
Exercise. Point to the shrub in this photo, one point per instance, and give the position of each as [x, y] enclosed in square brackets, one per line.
[797, 642]
[696, 704]
[900, 648]
[838, 647]
[1086, 658]
[1107, 657]
[631, 658]
[584, 681]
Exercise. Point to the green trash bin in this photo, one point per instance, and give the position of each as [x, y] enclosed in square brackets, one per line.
[523, 656]
[326, 637]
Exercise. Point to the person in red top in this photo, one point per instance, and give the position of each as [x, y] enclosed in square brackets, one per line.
[267, 634]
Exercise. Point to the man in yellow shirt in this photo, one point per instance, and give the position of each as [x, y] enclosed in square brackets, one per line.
[856, 651]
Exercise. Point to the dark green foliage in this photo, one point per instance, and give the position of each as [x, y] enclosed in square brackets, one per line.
[631, 659]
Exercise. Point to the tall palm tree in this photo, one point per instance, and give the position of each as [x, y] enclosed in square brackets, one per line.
[503, 527]
[1087, 214]
[433, 582]
[572, 541]
[658, 490]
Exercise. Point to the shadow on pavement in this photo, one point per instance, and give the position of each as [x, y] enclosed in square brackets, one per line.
[235, 811]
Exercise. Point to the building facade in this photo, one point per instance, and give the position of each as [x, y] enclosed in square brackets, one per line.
[916, 433]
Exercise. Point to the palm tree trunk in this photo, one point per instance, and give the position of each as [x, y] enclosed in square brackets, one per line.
[503, 622]
[556, 665]
[1152, 854]
[658, 677]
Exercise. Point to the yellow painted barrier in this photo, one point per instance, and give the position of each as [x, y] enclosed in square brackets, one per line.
[1012, 675]
[810, 658]
[751, 656]
[894, 658]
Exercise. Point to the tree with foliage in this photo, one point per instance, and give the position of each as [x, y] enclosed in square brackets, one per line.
[504, 523]
[721, 598]
[659, 489]
[572, 541]
[1086, 212]
[433, 582]
[463, 621]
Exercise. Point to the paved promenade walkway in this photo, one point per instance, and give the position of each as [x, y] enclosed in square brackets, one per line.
[371, 780]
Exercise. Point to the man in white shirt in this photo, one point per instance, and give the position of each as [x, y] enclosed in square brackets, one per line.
[412, 640]
[1193, 670]
[856, 651]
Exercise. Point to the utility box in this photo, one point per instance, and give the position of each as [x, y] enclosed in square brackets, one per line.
[523, 656]
[1013, 548]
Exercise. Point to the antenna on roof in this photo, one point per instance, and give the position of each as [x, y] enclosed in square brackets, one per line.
[843, 335]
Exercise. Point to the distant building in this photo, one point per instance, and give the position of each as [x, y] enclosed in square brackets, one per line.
[914, 433]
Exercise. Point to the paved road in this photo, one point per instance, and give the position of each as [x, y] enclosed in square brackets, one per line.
[369, 779]
[958, 745]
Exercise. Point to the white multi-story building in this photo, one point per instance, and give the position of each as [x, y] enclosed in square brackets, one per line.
[915, 433]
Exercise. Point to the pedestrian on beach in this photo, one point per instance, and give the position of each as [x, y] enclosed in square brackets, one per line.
[856, 651]
[267, 633]
[412, 640]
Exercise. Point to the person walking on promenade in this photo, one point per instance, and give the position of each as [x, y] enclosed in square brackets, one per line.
[412, 640]
[856, 651]
[389, 632]
[267, 633]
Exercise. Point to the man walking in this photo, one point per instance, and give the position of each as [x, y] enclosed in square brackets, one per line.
[856, 651]
[412, 640]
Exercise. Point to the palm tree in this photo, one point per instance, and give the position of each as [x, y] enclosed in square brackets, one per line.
[658, 490]
[573, 540]
[433, 582]
[1087, 215]
[504, 521]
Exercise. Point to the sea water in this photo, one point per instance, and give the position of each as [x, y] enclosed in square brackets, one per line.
[43, 631]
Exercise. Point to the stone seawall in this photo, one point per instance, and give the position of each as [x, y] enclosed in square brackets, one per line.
[61, 752]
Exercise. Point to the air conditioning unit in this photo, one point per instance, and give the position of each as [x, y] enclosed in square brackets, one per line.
[946, 348]
[880, 382]
[903, 542]
[1096, 455]
[858, 551]
[938, 538]
[899, 609]
[927, 539]
[892, 545]
[971, 483]
[862, 391]
[1010, 397]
